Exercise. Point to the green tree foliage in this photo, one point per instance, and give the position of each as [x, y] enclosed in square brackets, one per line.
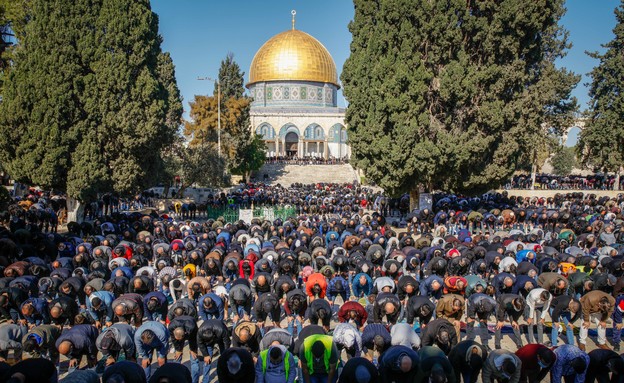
[601, 143]
[201, 165]
[236, 137]
[452, 94]
[91, 101]
[564, 161]
[201, 129]
[253, 156]
[232, 79]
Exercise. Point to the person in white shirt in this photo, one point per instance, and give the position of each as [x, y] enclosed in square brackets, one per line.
[538, 302]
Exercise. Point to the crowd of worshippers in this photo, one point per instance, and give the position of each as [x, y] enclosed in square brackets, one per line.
[319, 298]
[597, 181]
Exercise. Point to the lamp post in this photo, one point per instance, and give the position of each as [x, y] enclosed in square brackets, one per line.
[218, 110]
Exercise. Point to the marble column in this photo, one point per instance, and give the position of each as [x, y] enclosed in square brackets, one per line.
[326, 154]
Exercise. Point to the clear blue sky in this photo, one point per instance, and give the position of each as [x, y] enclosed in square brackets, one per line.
[199, 34]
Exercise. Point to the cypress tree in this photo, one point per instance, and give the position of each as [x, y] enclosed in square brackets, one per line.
[450, 94]
[92, 99]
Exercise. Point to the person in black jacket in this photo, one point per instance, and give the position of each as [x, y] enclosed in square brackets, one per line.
[73, 287]
[358, 370]
[267, 305]
[399, 364]
[182, 329]
[319, 309]
[421, 308]
[11, 298]
[236, 365]
[467, 358]
[63, 310]
[129, 308]
[566, 309]
[211, 333]
[480, 307]
[386, 305]
[605, 366]
[407, 287]
[509, 307]
[181, 307]
[439, 332]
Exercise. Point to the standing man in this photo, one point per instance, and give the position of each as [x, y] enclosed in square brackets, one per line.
[114, 339]
[319, 358]
[597, 307]
[183, 329]
[77, 342]
[152, 336]
[508, 307]
[538, 302]
[212, 332]
[467, 358]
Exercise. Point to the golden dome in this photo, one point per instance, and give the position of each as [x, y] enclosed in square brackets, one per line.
[293, 55]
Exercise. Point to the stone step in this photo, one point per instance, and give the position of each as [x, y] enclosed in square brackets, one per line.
[306, 174]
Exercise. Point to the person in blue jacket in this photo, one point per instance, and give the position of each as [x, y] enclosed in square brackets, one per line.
[362, 285]
[100, 307]
[152, 336]
[35, 311]
[432, 287]
[77, 342]
[210, 307]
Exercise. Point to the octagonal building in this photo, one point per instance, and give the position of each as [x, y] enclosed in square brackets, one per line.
[294, 85]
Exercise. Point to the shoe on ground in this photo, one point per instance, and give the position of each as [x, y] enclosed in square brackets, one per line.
[582, 346]
[616, 347]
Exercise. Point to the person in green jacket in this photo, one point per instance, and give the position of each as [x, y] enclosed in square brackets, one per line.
[318, 359]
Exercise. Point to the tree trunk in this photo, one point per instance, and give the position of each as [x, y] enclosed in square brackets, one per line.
[414, 198]
[617, 179]
[247, 176]
[533, 175]
[75, 210]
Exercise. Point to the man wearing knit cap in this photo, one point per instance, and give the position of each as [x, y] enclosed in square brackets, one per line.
[236, 365]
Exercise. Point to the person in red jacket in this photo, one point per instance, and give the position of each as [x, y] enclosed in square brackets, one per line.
[352, 311]
[316, 286]
[537, 360]
[455, 285]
